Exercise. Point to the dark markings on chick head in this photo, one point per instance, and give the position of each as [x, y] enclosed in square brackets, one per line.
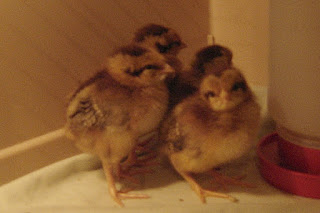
[132, 50]
[166, 48]
[150, 30]
[239, 85]
[206, 55]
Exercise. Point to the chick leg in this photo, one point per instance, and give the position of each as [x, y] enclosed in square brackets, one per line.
[203, 193]
[116, 195]
[111, 183]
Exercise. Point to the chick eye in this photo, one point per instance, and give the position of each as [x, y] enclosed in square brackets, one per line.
[175, 44]
[151, 67]
[163, 48]
[239, 85]
[138, 72]
[134, 73]
[210, 95]
[166, 48]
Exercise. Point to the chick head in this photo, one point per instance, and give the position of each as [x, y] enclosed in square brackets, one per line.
[137, 66]
[164, 40]
[226, 92]
[212, 60]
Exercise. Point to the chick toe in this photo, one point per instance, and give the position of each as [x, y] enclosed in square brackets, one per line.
[203, 193]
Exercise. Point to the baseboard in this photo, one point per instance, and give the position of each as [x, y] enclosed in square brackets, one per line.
[33, 154]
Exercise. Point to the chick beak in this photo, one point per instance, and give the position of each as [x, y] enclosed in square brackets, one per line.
[168, 72]
[183, 45]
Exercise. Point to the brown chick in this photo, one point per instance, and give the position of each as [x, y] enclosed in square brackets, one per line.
[108, 113]
[214, 126]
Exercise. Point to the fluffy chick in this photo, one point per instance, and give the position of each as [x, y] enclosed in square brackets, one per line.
[214, 126]
[109, 112]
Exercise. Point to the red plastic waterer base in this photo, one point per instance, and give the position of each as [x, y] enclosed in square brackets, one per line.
[277, 173]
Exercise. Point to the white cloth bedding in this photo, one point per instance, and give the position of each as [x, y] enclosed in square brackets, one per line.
[78, 184]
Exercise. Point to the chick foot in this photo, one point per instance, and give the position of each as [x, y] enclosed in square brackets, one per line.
[203, 193]
[224, 181]
[116, 195]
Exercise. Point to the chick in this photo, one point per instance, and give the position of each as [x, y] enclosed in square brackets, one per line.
[163, 39]
[214, 126]
[212, 59]
[109, 112]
